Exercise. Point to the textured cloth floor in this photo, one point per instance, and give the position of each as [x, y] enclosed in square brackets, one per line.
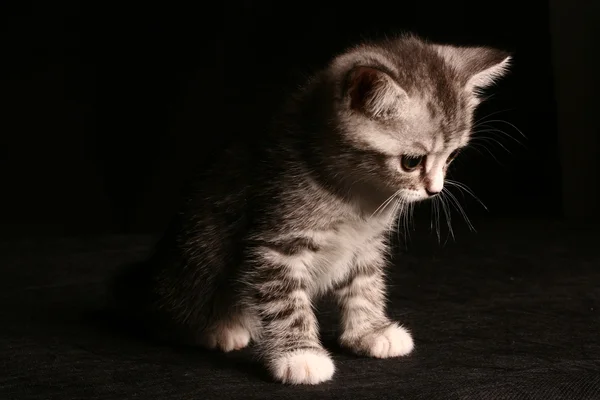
[508, 313]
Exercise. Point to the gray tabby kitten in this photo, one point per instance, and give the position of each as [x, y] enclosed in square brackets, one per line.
[306, 209]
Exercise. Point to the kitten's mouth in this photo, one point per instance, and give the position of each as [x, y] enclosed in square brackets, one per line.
[412, 196]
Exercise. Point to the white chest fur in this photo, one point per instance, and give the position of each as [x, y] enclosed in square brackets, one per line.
[352, 242]
[340, 249]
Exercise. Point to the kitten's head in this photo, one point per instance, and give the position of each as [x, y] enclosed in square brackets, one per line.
[403, 110]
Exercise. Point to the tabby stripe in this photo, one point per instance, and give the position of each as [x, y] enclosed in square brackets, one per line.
[290, 246]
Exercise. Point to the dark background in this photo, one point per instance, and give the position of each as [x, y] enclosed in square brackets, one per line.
[104, 110]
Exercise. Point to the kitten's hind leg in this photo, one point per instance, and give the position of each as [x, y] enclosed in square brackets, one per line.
[232, 331]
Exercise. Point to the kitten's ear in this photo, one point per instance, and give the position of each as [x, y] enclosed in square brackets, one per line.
[374, 93]
[479, 67]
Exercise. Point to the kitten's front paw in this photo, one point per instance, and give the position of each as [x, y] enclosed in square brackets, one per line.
[226, 338]
[391, 341]
[307, 367]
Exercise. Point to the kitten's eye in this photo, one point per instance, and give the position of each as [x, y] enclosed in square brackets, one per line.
[410, 163]
[452, 156]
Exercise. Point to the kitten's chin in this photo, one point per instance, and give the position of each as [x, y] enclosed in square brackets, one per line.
[412, 196]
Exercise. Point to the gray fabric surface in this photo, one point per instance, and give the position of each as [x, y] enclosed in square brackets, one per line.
[508, 313]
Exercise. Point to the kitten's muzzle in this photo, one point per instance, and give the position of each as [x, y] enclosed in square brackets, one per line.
[432, 193]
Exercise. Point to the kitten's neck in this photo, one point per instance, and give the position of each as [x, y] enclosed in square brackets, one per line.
[304, 141]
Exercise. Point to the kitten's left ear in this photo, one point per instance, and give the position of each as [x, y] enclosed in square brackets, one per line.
[479, 67]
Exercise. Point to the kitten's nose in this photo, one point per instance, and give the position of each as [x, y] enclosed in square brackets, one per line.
[434, 182]
[434, 186]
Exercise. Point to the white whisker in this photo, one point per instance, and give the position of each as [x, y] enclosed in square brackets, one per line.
[396, 211]
[503, 122]
[466, 189]
[492, 129]
[482, 119]
[460, 209]
[476, 146]
[447, 212]
[386, 202]
[487, 138]
[436, 208]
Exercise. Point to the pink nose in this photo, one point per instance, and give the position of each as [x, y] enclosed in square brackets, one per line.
[431, 193]
[434, 185]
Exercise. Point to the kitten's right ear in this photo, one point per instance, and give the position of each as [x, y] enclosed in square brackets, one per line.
[374, 93]
[479, 67]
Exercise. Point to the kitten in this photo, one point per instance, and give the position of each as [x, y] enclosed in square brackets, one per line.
[307, 208]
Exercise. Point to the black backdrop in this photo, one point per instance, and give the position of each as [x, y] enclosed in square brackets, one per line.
[104, 110]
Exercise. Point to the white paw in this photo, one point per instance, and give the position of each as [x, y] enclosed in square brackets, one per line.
[302, 367]
[393, 341]
[227, 338]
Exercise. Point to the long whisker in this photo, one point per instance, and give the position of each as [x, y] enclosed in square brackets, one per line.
[397, 210]
[471, 147]
[400, 226]
[486, 139]
[481, 120]
[492, 129]
[386, 202]
[447, 212]
[405, 227]
[502, 122]
[466, 189]
[432, 214]
[437, 218]
[476, 146]
[460, 209]
[432, 219]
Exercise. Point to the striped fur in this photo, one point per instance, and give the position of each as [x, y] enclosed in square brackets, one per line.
[285, 217]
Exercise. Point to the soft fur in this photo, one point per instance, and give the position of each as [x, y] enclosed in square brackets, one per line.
[307, 208]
